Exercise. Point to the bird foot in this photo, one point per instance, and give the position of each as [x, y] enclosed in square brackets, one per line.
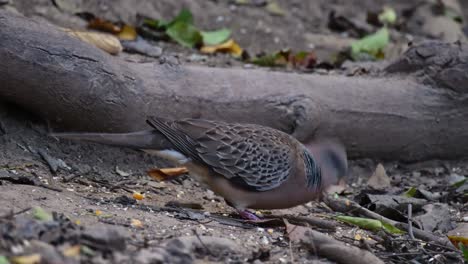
[247, 215]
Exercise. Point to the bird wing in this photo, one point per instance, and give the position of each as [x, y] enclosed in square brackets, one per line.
[255, 157]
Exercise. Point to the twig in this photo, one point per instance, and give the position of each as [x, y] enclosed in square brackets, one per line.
[201, 242]
[291, 254]
[11, 213]
[428, 243]
[70, 177]
[311, 220]
[347, 206]
[410, 223]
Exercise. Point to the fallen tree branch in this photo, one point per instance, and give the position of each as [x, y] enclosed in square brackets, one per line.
[398, 115]
[348, 206]
[309, 220]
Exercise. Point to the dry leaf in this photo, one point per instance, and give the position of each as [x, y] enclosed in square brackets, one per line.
[98, 212]
[295, 233]
[104, 25]
[136, 223]
[106, 42]
[138, 196]
[127, 33]
[229, 46]
[274, 8]
[72, 251]
[30, 259]
[379, 180]
[166, 173]
[459, 235]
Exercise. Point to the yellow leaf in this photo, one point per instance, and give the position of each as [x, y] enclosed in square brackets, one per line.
[138, 196]
[275, 9]
[127, 33]
[166, 173]
[30, 259]
[104, 41]
[357, 237]
[78, 222]
[72, 251]
[136, 223]
[98, 212]
[229, 46]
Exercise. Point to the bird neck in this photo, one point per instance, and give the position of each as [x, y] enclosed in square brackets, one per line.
[313, 171]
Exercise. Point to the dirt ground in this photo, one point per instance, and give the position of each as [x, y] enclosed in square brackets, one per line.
[93, 184]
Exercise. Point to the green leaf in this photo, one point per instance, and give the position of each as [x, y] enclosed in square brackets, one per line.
[155, 23]
[459, 183]
[4, 260]
[411, 192]
[365, 223]
[265, 61]
[464, 251]
[391, 228]
[211, 38]
[185, 34]
[449, 12]
[372, 44]
[41, 214]
[87, 251]
[184, 16]
[370, 224]
[388, 16]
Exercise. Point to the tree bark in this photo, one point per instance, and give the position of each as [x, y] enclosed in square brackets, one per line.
[414, 110]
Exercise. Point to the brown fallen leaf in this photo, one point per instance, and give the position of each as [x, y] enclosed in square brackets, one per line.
[104, 41]
[166, 173]
[296, 233]
[379, 180]
[229, 46]
[104, 25]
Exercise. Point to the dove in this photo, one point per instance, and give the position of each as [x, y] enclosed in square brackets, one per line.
[249, 165]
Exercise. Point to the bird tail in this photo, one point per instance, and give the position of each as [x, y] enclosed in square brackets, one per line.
[146, 139]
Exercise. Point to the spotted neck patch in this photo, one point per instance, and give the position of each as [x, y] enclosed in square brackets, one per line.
[313, 171]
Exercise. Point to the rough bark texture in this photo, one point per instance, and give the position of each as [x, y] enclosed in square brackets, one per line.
[414, 111]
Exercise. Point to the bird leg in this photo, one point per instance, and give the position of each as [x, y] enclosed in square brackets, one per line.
[247, 215]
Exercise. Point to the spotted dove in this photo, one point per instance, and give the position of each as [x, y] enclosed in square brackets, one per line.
[251, 166]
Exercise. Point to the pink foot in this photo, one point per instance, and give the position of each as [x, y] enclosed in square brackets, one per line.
[245, 214]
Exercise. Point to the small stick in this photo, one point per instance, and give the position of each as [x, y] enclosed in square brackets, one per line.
[410, 223]
[11, 214]
[311, 220]
[201, 242]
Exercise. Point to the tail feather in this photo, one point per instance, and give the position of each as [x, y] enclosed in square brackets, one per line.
[146, 139]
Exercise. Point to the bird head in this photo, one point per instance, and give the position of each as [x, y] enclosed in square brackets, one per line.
[331, 157]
